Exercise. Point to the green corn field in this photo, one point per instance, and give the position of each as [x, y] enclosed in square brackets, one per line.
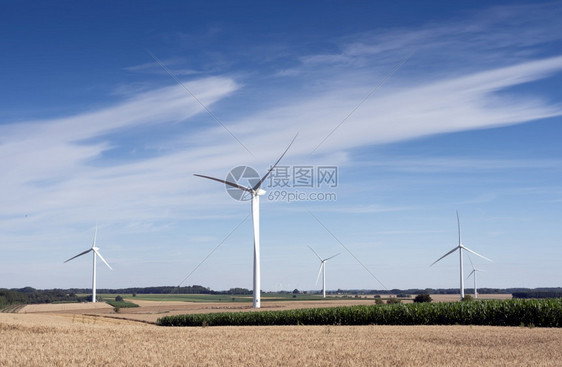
[515, 312]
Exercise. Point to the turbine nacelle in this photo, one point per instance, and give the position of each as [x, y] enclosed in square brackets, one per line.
[474, 271]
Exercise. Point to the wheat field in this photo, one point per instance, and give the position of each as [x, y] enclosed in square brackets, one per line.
[72, 339]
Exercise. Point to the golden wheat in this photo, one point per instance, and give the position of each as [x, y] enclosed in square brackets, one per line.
[62, 340]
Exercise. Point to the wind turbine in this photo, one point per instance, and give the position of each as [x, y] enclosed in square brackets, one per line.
[255, 191]
[95, 253]
[322, 270]
[473, 272]
[460, 247]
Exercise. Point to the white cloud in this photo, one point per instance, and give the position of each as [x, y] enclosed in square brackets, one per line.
[483, 38]
[49, 166]
[155, 68]
[427, 164]
[410, 111]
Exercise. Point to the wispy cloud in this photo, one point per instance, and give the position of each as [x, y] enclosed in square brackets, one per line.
[410, 111]
[358, 209]
[67, 180]
[452, 164]
[49, 165]
[176, 64]
[477, 39]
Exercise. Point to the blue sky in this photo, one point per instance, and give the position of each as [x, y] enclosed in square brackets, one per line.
[424, 109]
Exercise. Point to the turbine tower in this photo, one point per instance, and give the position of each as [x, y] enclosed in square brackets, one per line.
[95, 253]
[255, 191]
[460, 247]
[322, 270]
[473, 273]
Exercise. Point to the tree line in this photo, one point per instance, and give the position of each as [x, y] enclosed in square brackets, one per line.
[538, 294]
[29, 295]
[411, 291]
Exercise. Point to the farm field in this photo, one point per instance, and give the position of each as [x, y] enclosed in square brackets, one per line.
[217, 297]
[456, 297]
[73, 339]
[150, 311]
[153, 307]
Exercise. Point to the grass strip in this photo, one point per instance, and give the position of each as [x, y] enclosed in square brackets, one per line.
[121, 304]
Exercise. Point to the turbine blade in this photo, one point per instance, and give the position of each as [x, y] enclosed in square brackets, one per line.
[472, 272]
[459, 226]
[477, 254]
[80, 254]
[225, 182]
[473, 268]
[319, 258]
[95, 236]
[257, 186]
[319, 272]
[102, 259]
[447, 254]
[331, 257]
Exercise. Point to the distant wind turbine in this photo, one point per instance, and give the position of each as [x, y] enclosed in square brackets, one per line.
[322, 270]
[255, 191]
[460, 247]
[473, 273]
[95, 253]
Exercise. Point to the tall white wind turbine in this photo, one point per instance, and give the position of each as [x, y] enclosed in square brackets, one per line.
[322, 270]
[460, 247]
[95, 253]
[473, 273]
[255, 191]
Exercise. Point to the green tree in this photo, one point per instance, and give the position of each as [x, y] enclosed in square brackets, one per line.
[422, 297]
